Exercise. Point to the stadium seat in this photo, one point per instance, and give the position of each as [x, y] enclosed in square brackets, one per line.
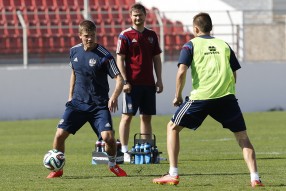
[20, 5]
[66, 28]
[189, 36]
[9, 17]
[151, 16]
[179, 27]
[170, 40]
[93, 5]
[125, 13]
[35, 45]
[33, 29]
[76, 17]
[115, 13]
[40, 6]
[79, 4]
[104, 13]
[56, 29]
[99, 26]
[124, 4]
[13, 32]
[117, 26]
[74, 40]
[180, 40]
[46, 41]
[45, 29]
[102, 4]
[52, 16]
[50, 5]
[129, 2]
[110, 41]
[30, 17]
[74, 28]
[106, 26]
[2, 19]
[168, 26]
[95, 13]
[61, 4]
[42, 18]
[7, 5]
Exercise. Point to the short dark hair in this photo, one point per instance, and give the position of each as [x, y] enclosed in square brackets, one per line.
[86, 25]
[138, 6]
[203, 21]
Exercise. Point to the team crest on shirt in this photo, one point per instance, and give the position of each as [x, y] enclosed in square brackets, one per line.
[92, 62]
[150, 39]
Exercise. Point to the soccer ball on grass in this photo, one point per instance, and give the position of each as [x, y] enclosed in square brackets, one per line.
[54, 160]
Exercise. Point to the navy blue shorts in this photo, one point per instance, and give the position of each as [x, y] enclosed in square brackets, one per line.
[225, 110]
[73, 119]
[142, 98]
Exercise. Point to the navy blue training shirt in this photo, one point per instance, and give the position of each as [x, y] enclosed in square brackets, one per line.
[91, 70]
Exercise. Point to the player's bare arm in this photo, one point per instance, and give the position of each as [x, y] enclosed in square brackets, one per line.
[158, 71]
[120, 59]
[234, 74]
[113, 100]
[72, 82]
[180, 83]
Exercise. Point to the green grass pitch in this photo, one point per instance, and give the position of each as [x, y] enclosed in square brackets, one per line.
[210, 158]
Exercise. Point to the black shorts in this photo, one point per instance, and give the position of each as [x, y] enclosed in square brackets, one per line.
[142, 98]
[73, 119]
[225, 110]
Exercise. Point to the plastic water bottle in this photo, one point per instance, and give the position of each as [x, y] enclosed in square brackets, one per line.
[132, 159]
[137, 156]
[118, 145]
[147, 151]
[102, 146]
[155, 155]
[142, 155]
[98, 146]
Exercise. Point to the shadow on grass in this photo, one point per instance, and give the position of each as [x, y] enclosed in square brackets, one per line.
[238, 159]
[78, 177]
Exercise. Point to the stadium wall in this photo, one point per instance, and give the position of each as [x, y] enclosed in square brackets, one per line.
[41, 92]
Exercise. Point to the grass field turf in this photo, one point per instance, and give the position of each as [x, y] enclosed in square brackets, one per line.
[210, 159]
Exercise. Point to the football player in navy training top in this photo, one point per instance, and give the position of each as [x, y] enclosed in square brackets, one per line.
[88, 98]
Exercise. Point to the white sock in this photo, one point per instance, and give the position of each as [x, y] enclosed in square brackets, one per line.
[124, 148]
[111, 164]
[111, 161]
[254, 176]
[173, 171]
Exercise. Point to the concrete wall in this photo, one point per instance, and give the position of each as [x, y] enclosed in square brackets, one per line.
[41, 92]
[264, 44]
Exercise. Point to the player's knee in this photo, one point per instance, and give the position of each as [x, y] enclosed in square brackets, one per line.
[61, 134]
[173, 127]
[241, 135]
[108, 137]
[126, 118]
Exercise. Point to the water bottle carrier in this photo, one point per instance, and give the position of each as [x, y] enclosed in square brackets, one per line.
[99, 156]
[140, 138]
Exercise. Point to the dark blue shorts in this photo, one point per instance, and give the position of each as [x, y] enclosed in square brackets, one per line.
[142, 98]
[73, 119]
[225, 110]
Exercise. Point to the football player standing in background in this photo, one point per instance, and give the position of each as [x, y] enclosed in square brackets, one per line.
[213, 65]
[138, 52]
[88, 98]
